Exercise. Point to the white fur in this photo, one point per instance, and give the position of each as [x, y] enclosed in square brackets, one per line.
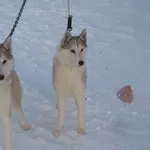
[10, 96]
[5, 113]
[69, 81]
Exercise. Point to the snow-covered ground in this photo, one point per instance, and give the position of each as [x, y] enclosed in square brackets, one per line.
[119, 54]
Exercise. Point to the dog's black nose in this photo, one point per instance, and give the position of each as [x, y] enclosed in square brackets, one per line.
[1, 76]
[81, 63]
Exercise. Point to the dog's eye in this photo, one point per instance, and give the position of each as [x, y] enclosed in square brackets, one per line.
[73, 51]
[4, 62]
[82, 50]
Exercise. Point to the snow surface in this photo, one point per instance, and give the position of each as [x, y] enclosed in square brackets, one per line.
[119, 54]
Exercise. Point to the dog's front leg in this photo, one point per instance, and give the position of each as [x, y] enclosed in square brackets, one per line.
[61, 102]
[80, 102]
[7, 129]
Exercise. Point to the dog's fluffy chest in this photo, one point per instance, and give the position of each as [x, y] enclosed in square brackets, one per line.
[5, 98]
[68, 79]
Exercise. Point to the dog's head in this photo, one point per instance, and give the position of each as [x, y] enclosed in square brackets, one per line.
[6, 59]
[73, 49]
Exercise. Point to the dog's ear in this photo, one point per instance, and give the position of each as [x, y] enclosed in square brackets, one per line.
[8, 43]
[66, 38]
[83, 36]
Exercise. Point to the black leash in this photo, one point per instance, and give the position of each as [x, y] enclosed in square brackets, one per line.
[69, 24]
[17, 19]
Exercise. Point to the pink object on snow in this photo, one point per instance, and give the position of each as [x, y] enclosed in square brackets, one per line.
[126, 94]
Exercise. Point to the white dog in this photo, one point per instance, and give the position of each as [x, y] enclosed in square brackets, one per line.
[10, 93]
[69, 77]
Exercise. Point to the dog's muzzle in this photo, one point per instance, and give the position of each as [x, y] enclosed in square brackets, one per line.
[81, 63]
[2, 77]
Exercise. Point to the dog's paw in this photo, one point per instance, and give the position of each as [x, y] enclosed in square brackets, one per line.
[81, 131]
[26, 127]
[57, 133]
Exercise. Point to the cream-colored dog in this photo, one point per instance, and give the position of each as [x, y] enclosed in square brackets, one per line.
[10, 93]
[69, 77]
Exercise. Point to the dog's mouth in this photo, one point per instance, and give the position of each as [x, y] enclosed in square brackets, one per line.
[80, 66]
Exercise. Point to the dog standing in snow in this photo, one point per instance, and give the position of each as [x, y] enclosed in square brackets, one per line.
[69, 77]
[10, 93]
